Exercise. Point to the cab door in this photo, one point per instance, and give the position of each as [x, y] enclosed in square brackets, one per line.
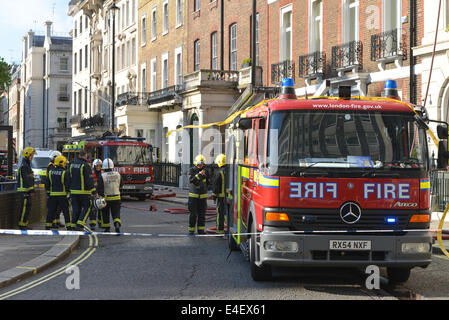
[247, 171]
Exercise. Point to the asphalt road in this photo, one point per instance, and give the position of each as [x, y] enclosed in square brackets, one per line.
[198, 268]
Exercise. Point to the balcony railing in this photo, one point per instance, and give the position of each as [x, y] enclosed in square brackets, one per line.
[312, 65]
[282, 70]
[164, 94]
[97, 120]
[203, 77]
[388, 45]
[132, 99]
[347, 56]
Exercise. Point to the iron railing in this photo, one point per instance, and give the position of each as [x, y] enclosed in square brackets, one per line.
[388, 44]
[347, 56]
[312, 65]
[439, 190]
[164, 94]
[282, 70]
[166, 174]
[97, 120]
[132, 99]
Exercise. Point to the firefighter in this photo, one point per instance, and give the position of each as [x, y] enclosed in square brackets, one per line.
[81, 190]
[95, 216]
[25, 179]
[57, 185]
[218, 194]
[199, 180]
[109, 186]
[51, 165]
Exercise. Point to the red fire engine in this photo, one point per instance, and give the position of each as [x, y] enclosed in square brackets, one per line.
[331, 182]
[132, 158]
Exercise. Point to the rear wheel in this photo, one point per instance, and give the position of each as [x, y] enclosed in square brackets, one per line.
[262, 273]
[398, 275]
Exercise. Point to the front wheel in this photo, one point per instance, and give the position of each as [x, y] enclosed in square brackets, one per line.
[262, 273]
[398, 275]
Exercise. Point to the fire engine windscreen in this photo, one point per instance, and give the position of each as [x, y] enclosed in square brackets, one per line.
[350, 140]
[130, 155]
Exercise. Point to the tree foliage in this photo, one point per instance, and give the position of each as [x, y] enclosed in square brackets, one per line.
[5, 77]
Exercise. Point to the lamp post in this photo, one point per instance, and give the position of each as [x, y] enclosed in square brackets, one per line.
[113, 9]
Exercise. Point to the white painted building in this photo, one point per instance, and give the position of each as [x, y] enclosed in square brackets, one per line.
[92, 54]
[45, 90]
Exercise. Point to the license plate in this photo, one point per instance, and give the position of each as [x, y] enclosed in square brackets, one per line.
[349, 245]
[129, 187]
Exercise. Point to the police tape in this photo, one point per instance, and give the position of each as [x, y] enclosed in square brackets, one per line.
[162, 235]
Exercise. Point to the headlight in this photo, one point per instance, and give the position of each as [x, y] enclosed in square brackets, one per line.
[416, 247]
[285, 246]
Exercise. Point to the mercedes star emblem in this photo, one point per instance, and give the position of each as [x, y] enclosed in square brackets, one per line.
[350, 212]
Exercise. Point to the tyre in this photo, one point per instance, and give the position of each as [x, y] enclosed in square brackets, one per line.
[398, 275]
[262, 273]
[142, 197]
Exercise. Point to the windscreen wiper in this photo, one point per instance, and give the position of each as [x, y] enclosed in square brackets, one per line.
[302, 171]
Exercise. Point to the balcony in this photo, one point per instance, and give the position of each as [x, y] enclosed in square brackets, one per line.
[282, 70]
[388, 47]
[63, 97]
[347, 57]
[93, 122]
[165, 94]
[312, 66]
[220, 78]
[131, 99]
[75, 120]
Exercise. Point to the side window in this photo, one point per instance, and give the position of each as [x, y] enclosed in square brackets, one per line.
[253, 144]
[261, 140]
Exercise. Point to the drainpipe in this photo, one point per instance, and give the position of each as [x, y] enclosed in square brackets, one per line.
[253, 45]
[412, 33]
[222, 35]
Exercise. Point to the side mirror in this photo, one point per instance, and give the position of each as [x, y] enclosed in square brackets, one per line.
[442, 132]
[443, 155]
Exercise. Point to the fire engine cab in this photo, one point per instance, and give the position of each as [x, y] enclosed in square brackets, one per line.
[331, 181]
[132, 158]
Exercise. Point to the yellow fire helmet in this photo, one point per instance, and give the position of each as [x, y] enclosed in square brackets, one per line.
[60, 161]
[199, 159]
[220, 160]
[28, 151]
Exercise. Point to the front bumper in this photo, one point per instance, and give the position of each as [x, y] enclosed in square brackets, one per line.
[314, 250]
[136, 189]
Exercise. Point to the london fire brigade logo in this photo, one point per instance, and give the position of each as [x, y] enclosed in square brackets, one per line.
[350, 212]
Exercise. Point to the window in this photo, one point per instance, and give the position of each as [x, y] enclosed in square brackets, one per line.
[350, 20]
[196, 55]
[144, 30]
[62, 120]
[286, 34]
[106, 59]
[391, 14]
[134, 52]
[178, 12]
[85, 101]
[139, 133]
[128, 53]
[86, 56]
[74, 103]
[81, 59]
[74, 63]
[64, 64]
[213, 54]
[153, 75]
[154, 24]
[133, 13]
[257, 36]
[123, 56]
[81, 24]
[165, 18]
[316, 26]
[196, 5]
[178, 66]
[127, 13]
[80, 101]
[164, 70]
[63, 92]
[76, 29]
[233, 47]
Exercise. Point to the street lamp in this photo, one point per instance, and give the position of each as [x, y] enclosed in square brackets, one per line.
[113, 9]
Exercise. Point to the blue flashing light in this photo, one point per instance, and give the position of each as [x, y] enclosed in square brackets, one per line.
[288, 82]
[391, 220]
[391, 84]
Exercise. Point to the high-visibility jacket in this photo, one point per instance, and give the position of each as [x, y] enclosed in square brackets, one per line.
[58, 181]
[198, 183]
[219, 183]
[81, 179]
[109, 185]
[25, 177]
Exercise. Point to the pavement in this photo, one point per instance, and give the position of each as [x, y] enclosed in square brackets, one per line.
[25, 256]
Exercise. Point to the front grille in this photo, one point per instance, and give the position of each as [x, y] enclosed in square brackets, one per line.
[134, 178]
[312, 220]
[349, 255]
